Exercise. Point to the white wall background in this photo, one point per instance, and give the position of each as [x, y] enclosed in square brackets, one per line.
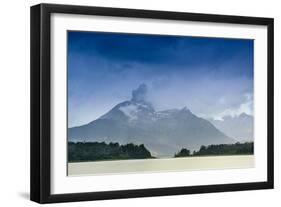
[14, 102]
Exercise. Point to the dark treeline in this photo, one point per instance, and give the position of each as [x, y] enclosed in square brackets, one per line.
[183, 153]
[246, 148]
[95, 151]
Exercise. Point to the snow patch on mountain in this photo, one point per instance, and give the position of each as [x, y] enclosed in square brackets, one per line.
[131, 111]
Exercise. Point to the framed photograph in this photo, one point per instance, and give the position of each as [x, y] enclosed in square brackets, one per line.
[133, 103]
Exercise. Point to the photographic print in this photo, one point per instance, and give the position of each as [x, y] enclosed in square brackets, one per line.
[145, 103]
[130, 103]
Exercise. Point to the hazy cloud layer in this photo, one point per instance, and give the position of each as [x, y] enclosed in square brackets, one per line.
[212, 77]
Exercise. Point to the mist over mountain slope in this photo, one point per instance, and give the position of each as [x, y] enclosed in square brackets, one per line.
[240, 127]
[162, 132]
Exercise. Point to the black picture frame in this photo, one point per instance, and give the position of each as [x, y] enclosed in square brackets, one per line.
[41, 96]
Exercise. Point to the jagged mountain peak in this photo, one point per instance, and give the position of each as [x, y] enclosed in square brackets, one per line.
[245, 116]
[186, 110]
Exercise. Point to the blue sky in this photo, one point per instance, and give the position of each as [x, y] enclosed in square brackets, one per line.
[213, 77]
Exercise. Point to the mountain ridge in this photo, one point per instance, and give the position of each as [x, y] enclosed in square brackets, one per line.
[162, 132]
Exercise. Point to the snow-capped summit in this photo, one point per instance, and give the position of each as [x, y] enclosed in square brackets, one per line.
[136, 108]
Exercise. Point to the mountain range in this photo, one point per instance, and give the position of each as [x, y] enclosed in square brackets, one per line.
[240, 127]
[163, 132]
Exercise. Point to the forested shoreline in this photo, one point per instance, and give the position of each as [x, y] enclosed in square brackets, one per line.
[101, 151]
[98, 151]
[246, 148]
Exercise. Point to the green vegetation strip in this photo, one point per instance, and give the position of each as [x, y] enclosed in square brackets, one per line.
[246, 148]
[98, 151]
[101, 151]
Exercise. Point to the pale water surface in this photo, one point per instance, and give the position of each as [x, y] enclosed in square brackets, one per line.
[161, 165]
